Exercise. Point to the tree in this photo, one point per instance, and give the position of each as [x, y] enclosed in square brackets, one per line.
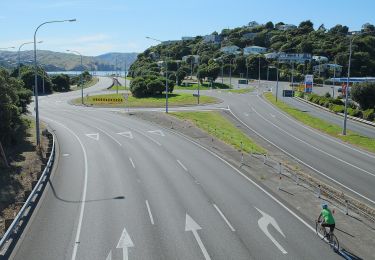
[269, 25]
[364, 94]
[138, 87]
[61, 82]
[306, 26]
[14, 99]
[181, 74]
[28, 78]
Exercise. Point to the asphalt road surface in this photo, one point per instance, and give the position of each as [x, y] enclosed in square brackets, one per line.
[125, 189]
[350, 167]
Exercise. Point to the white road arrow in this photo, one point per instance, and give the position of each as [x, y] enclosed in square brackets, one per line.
[125, 242]
[93, 136]
[127, 134]
[157, 132]
[109, 257]
[193, 226]
[263, 223]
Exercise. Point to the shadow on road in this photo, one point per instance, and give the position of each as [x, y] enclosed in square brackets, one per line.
[80, 201]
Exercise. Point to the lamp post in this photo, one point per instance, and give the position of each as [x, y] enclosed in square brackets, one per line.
[259, 72]
[277, 76]
[80, 77]
[19, 56]
[36, 78]
[230, 72]
[166, 77]
[347, 87]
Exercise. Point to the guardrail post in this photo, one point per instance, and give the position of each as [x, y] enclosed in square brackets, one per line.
[318, 191]
[280, 170]
[264, 159]
[297, 179]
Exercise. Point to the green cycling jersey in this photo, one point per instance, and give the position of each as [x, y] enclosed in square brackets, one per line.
[327, 216]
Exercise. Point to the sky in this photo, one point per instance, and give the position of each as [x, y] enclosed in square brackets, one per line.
[122, 25]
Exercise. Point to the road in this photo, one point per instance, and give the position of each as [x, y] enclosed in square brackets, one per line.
[126, 189]
[349, 167]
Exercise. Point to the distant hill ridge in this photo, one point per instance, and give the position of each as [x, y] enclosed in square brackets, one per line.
[59, 61]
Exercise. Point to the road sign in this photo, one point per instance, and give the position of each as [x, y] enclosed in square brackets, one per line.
[243, 81]
[126, 96]
[309, 81]
[288, 93]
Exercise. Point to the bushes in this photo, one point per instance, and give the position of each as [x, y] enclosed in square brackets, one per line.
[364, 94]
[337, 108]
[369, 114]
[149, 86]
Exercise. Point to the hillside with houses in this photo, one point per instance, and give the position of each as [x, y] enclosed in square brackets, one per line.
[296, 49]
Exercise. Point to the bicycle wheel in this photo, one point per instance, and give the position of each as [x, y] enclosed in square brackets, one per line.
[334, 243]
[321, 231]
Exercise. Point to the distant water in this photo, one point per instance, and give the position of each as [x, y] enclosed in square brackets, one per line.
[95, 73]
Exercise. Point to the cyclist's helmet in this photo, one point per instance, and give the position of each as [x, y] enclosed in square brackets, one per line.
[324, 205]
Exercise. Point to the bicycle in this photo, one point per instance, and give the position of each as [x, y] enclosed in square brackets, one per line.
[329, 237]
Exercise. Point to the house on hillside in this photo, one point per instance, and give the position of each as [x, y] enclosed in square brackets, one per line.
[254, 50]
[212, 38]
[187, 38]
[321, 59]
[170, 42]
[289, 57]
[334, 68]
[252, 24]
[231, 49]
[285, 27]
[249, 36]
[195, 58]
[271, 55]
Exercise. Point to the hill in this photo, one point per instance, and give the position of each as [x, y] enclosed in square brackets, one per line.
[305, 49]
[58, 61]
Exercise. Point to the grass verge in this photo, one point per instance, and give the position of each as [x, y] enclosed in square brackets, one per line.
[180, 99]
[118, 87]
[241, 90]
[324, 126]
[220, 127]
[88, 84]
[204, 86]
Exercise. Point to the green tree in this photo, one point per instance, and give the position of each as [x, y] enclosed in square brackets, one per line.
[61, 82]
[364, 94]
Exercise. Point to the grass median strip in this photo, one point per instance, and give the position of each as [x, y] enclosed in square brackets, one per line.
[217, 125]
[204, 86]
[241, 90]
[324, 126]
[117, 100]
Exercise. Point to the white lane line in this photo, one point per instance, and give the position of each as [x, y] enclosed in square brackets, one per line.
[272, 115]
[183, 166]
[223, 216]
[110, 136]
[131, 160]
[149, 212]
[316, 132]
[312, 146]
[248, 179]
[299, 160]
[83, 198]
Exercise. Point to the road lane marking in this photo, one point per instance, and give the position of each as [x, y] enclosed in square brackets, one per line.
[299, 160]
[223, 216]
[149, 212]
[183, 166]
[110, 136]
[109, 256]
[127, 134]
[312, 146]
[131, 160]
[125, 242]
[272, 115]
[316, 132]
[83, 198]
[65, 155]
[157, 132]
[191, 225]
[93, 136]
[263, 223]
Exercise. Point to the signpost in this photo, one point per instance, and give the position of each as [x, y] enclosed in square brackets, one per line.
[126, 97]
[309, 80]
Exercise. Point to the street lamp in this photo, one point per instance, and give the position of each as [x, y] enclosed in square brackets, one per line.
[36, 78]
[166, 77]
[80, 77]
[230, 71]
[19, 56]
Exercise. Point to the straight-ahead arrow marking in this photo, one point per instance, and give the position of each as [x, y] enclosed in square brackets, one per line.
[157, 132]
[127, 134]
[125, 242]
[191, 225]
[93, 136]
[263, 223]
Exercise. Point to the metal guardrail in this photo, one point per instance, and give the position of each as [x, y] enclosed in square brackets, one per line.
[13, 227]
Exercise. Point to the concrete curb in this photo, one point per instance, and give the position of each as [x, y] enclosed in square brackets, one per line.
[340, 114]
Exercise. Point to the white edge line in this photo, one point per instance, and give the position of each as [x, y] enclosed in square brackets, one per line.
[300, 161]
[312, 146]
[183, 166]
[317, 132]
[223, 216]
[110, 136]
[149, 212]
[131, 160]
[83, 199]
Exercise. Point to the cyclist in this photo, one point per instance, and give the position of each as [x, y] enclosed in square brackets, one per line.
[327, 219]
